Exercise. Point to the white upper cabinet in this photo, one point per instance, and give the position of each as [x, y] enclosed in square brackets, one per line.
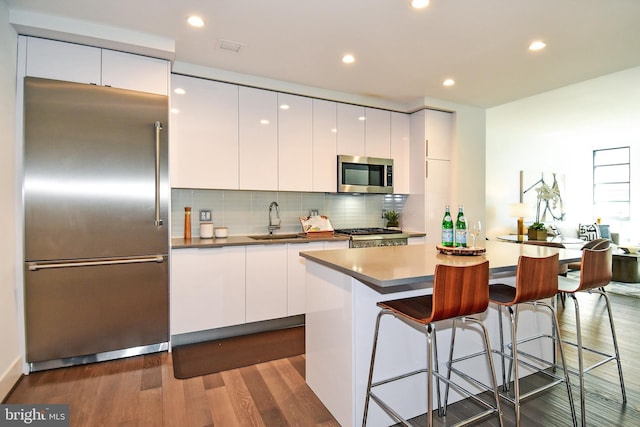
[325, 156]
[377, 133]
[400, 144]
[134, 72]
[69, 62]
[351, 120]
[295, 143]
[204, 134]
[439, 133]
[258, 139]
[91, 65]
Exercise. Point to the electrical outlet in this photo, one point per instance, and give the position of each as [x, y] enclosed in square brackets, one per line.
[205, 215]
[384, 211]
[313, 212]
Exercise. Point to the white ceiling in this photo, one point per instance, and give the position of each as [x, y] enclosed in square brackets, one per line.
[403, 55]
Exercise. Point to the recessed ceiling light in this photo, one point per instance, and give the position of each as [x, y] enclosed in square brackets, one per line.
[362, 118]
[419, 4]
[537, 45]
[264, 122]
[284, 107]
[448, 82]
[348, 59]
[179, 91]
[195, 21]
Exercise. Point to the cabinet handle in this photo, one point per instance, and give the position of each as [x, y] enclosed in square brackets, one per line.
[426, 148]
[426, 169]
[158, 127]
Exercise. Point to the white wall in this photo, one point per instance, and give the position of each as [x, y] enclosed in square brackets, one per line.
[10, 359]
[557, 131]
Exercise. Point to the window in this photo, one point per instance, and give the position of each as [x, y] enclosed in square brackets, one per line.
[611, 182]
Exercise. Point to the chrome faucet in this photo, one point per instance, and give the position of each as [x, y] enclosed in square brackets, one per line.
[272, 224]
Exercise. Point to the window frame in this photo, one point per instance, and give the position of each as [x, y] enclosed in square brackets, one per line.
[624, 202]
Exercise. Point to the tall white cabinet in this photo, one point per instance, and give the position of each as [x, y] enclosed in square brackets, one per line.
[430, 150]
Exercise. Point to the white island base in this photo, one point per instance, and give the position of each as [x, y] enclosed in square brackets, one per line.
[340, 322]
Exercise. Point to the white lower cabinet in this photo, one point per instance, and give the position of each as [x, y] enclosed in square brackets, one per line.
[207, 288]
[218, 287]
[266, 282]
[296, 273]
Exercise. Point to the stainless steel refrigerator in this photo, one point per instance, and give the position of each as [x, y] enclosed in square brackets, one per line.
[96, 227]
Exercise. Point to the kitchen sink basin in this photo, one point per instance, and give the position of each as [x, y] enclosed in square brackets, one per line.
[275, 236]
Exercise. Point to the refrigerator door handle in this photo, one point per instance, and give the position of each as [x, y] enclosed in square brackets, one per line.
[158, 127]
[35, 266]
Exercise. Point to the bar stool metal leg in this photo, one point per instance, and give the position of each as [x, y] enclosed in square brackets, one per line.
[580, 347]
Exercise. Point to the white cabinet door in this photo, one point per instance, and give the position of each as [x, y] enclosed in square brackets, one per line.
[325, 157]
[63, 61]
[295, 143]
[439, 131]
[266, 283]
[415, 240]
[377, 133]
[437, 196]
[341, 244]
[400, 152]
[258, 139]
[135, 72]
[351, 120]
[296, 274]
[204, 134]
[207, 288]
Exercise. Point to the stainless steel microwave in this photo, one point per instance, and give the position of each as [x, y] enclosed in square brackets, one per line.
[360, 174]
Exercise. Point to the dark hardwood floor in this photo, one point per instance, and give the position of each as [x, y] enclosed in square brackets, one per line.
[141, 391]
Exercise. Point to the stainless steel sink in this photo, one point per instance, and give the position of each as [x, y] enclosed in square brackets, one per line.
[275, 236]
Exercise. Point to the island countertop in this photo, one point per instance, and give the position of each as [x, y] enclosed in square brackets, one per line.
[392, 266]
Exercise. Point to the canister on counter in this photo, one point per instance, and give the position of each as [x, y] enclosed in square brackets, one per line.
[206, 230]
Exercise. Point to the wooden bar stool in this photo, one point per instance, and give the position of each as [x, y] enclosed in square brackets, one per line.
[595, 274]
[536, 279]
[458, 292]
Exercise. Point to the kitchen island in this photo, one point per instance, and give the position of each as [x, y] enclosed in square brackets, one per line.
[342, 288]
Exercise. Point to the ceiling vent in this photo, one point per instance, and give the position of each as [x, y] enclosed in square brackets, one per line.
[231, 46]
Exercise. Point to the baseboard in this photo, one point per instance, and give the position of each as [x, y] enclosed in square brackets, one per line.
[9, 378]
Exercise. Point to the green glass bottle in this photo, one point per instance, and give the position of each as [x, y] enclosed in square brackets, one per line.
[447, 228]
[461, 229]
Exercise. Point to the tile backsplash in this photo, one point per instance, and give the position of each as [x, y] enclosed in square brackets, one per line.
[247, 212]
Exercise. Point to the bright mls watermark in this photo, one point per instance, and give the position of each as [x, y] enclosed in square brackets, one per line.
[34, 415]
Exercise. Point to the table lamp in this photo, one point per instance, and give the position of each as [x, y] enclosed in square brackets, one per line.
[520, 211]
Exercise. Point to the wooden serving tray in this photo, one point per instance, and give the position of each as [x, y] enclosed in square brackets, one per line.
[460, 251]
[317, 234]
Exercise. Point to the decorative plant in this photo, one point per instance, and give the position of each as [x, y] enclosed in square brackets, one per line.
[537, 226]
[392, 218]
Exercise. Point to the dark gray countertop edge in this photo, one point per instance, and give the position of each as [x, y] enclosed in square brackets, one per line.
[196, 242]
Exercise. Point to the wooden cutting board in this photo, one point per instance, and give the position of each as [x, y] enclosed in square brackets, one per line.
[460, 251]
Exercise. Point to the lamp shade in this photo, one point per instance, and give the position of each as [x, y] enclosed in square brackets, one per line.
[519, 210]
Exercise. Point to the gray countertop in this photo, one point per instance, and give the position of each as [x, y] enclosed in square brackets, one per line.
[394, 266]
[196, 242]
